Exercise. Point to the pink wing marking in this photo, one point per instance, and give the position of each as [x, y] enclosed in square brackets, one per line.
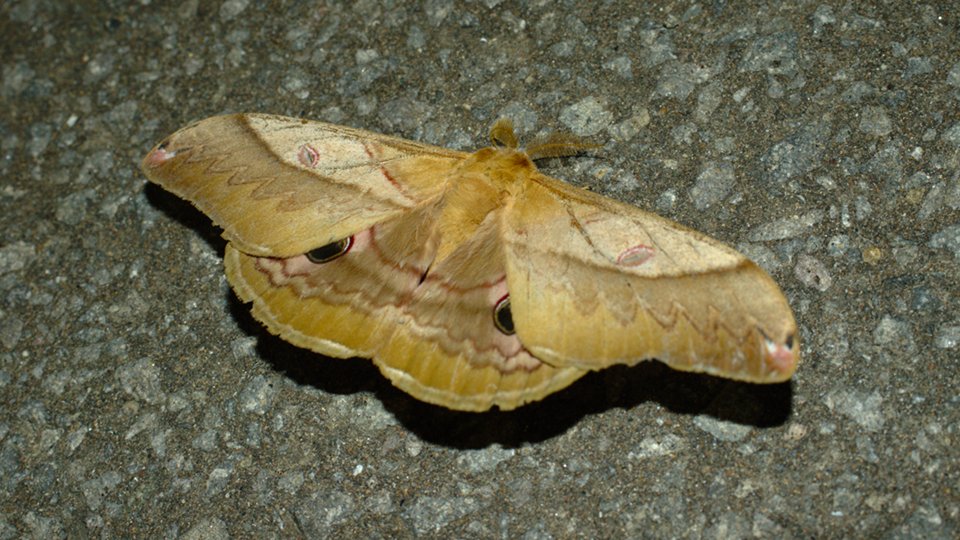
[383, 170]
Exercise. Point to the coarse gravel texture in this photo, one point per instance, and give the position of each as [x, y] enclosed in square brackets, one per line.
[140, 398]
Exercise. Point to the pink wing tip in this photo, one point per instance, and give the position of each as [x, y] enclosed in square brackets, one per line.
[781, 357]
[158, 156]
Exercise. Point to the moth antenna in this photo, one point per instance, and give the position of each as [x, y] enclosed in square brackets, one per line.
[502, 134]
[559, 145]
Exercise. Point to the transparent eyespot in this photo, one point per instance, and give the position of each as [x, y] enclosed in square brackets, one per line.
[331, 251]
[308, 156]
[636, 255]
[503, 317]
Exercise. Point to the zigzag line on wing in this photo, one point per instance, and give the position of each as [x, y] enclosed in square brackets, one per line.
[667, 319]
[472, 351]
[272, 177]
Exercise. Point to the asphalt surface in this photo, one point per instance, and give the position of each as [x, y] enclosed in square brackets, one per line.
[140, 398]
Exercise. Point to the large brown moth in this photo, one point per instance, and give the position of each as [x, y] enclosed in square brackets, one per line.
[471, 279]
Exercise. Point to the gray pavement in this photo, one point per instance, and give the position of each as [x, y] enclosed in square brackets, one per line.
[140, 398]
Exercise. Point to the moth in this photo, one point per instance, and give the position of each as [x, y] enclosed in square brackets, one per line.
[470, 279]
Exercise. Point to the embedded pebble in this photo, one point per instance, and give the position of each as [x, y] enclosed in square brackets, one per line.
[620, 65]
[484, 460]
[231, 8]
[798, 153]
[15, 256]
[73, 208]
[98, 489]
[722, 429]
[863, 408]
[291, 481]
[948, 336]
[678, 79]
[948, 238]
[586, 117]
[257, 395]
[894, 334]
[953, 77]
[430, 514]
[219, 477]
[141, 379]
[952, 134]
[874, 121]
[918, 65]
[714, 183]
[812, 273]
[208, 529]
[10, 331]
[786, 227]
[318, 514]
[652, 447]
